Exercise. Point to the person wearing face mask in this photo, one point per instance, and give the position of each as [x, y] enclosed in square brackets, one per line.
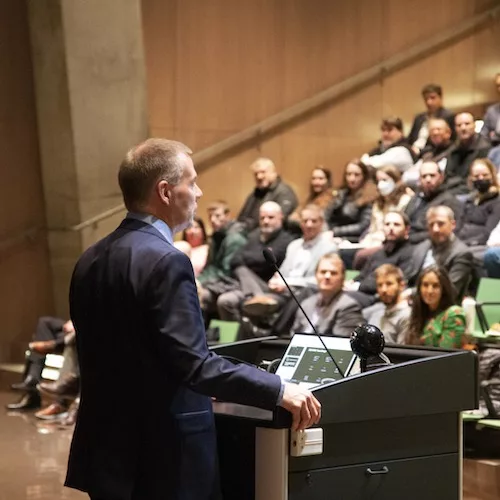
[469, 147]
[481, 211]
[436, 318]
[393, 195]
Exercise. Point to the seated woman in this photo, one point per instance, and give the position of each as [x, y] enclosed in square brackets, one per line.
[194, 245]
[436, 319]
[320, 194]
[392, 195]
[481, 211]
[348, 214]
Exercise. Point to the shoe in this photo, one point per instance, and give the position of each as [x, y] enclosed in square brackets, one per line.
[29, 401]
[28, 384]
[67, 388]
[53, 412]
[260, 305]
[43, 346]
[70, 419]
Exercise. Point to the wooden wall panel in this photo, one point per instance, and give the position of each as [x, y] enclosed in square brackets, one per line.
[25, 291]
[231, 64]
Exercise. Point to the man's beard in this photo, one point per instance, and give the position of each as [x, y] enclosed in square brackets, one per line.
[184, 225]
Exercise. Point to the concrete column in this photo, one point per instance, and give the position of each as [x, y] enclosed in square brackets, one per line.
[90, 88]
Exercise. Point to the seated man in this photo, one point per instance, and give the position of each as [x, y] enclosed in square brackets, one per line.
[226, 241]
[249, 266]
[392, 149]
[298, 268]
[437, 149]
[492, 255]
[444, 249]
[396, 250]
[391, 315]
[470, 147]
[331, 311]
[50, 336]
[420, 130]
[268, 187]
[433, 192]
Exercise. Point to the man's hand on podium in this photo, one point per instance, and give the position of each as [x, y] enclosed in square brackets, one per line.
[304, 407]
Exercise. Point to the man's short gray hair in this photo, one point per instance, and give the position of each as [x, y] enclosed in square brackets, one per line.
[440, 208]
[146, 164]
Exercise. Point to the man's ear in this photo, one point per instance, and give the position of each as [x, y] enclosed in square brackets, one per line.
[164, 191]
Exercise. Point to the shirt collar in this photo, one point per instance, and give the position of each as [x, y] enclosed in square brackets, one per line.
[158, 224]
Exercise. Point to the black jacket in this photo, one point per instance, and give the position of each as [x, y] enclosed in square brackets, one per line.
[397, 253]
[250, 255]
[278, 191]
[418, 206]
[478, 220]
[460, 159]
[347, 219]
[419, 119]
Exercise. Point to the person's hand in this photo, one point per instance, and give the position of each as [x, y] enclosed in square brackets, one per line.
[68, 327]
[304, 407]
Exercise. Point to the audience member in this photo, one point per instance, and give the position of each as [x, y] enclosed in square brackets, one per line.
[298, 268]
[470, 146]
[50, 337]
[396, 250]
[481, 212]
[226, 241]
[320, 190]
[437, 149]
[194, 245]
[392, 149]
[491, 126]
[348, 214]
[445, 250]
[432, 193]
[392, 318]
[249, 267]
[331, 311]
[419, 135]
[393, 195]
[492, 255]
[436, 318]
[268, 187]
[66, 388]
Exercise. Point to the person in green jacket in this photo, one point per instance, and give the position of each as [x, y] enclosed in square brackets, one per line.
[226, 241]
[436, 319]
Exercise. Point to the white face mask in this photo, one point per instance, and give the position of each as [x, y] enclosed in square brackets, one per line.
[385, 188]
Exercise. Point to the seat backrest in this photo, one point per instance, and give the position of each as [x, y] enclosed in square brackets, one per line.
[228, 330]
[350, 274]
[489, 291]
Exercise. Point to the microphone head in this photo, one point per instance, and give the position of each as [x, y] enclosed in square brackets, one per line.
[269, 256]
[366, 341]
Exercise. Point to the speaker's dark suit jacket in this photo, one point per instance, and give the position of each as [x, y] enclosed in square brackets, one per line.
[145, 429]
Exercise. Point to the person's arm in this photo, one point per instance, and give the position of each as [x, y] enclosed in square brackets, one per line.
[356, 229]
[286, 199]
[491, 223]
[175, 326]
[398, 156]
[415, 128]
[453, 328]
[347, 319]
[461, 271]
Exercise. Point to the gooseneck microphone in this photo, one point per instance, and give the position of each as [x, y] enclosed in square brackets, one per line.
[271, 260]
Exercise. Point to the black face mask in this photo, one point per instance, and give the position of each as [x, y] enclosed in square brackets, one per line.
[482, 185]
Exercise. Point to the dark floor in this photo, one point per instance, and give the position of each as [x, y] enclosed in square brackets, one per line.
[33, 457]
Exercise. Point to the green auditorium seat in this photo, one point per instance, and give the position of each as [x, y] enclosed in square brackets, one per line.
[487, 308]
[228, 330]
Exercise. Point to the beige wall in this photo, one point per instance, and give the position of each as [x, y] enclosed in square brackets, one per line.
[25, 291]
[215, 67]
